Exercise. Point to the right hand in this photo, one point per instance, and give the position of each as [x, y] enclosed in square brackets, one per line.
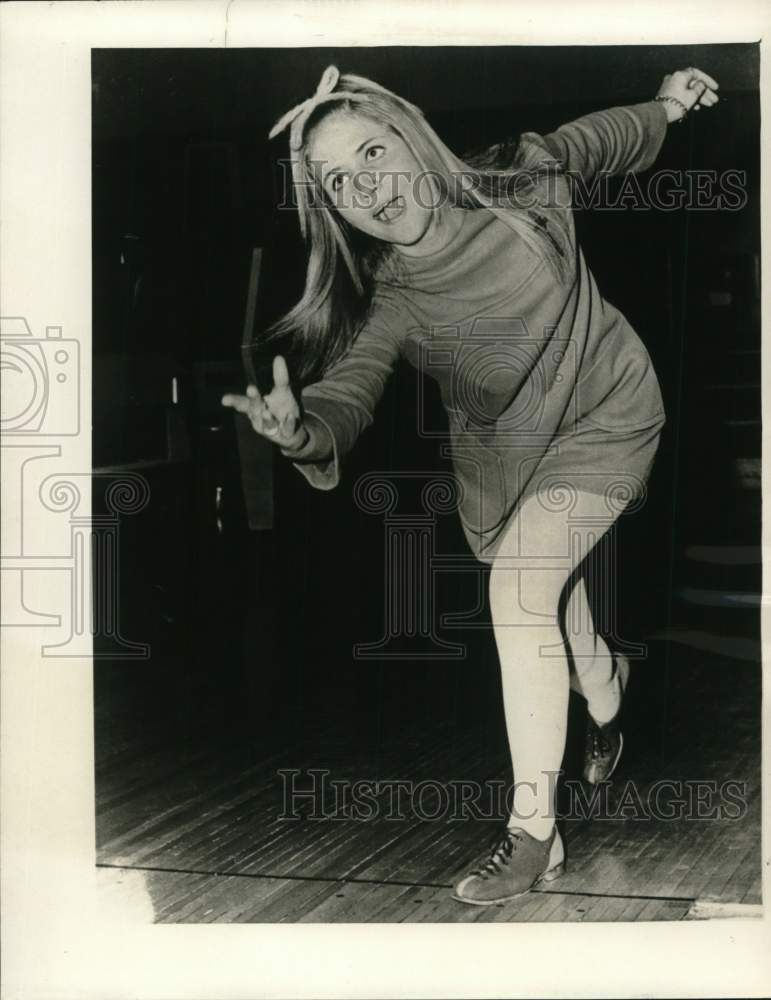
[276, 415]
[691, 88]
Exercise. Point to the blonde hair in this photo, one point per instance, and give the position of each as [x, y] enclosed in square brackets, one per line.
[343, 261]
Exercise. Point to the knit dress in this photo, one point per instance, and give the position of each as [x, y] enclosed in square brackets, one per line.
[547, 387]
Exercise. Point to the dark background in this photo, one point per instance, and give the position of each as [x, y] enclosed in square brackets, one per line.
[255, 627]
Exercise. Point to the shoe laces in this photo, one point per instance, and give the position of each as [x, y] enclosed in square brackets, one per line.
[502, 848]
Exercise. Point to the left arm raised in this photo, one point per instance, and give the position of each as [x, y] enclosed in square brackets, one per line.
[628, 139]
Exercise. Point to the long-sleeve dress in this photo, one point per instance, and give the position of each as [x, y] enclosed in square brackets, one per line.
[546, 385]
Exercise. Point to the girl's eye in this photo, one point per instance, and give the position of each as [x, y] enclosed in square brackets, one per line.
[337, 182]
[374, 152]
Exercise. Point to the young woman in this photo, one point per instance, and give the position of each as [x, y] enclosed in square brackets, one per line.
[554, 409]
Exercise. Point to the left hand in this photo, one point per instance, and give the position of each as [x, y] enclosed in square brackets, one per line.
[692, 87]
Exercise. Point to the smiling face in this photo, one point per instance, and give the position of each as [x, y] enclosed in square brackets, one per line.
[370, 175]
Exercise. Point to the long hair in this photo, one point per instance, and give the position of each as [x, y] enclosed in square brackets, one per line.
[343, 262]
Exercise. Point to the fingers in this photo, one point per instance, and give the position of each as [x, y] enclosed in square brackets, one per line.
[707, 98]
[289, 424]
[276, 415]
[259, 411]
[704, 85]
[269, 424]
[280, 373]
[280, 400]
[256, 410]
[694, 88]
[702, 76]
[252, 405]
[254, 394]
[241, 404]
[244, 404]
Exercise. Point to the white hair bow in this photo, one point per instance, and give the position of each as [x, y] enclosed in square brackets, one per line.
[297, 117]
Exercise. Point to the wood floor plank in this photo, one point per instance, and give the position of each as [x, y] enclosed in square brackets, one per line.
[351, 903]
[663, 909]
[238, 899]
[216, 808]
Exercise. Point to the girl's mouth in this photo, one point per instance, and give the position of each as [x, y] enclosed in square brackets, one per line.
[391, 211]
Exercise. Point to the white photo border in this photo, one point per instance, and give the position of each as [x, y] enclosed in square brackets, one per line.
[56, 943]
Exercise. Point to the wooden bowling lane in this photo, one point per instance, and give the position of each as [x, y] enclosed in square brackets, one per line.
[198, 833]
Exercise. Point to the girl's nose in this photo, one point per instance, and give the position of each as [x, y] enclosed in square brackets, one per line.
[370, 181]
[387, 185]
[372, 188]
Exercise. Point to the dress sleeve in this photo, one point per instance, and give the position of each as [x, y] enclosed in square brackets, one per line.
[615, 141]
[346, 397]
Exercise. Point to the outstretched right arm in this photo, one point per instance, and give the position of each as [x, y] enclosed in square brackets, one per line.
[335, 410]
[342, 404]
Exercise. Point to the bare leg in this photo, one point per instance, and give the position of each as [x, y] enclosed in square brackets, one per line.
[542, 546]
